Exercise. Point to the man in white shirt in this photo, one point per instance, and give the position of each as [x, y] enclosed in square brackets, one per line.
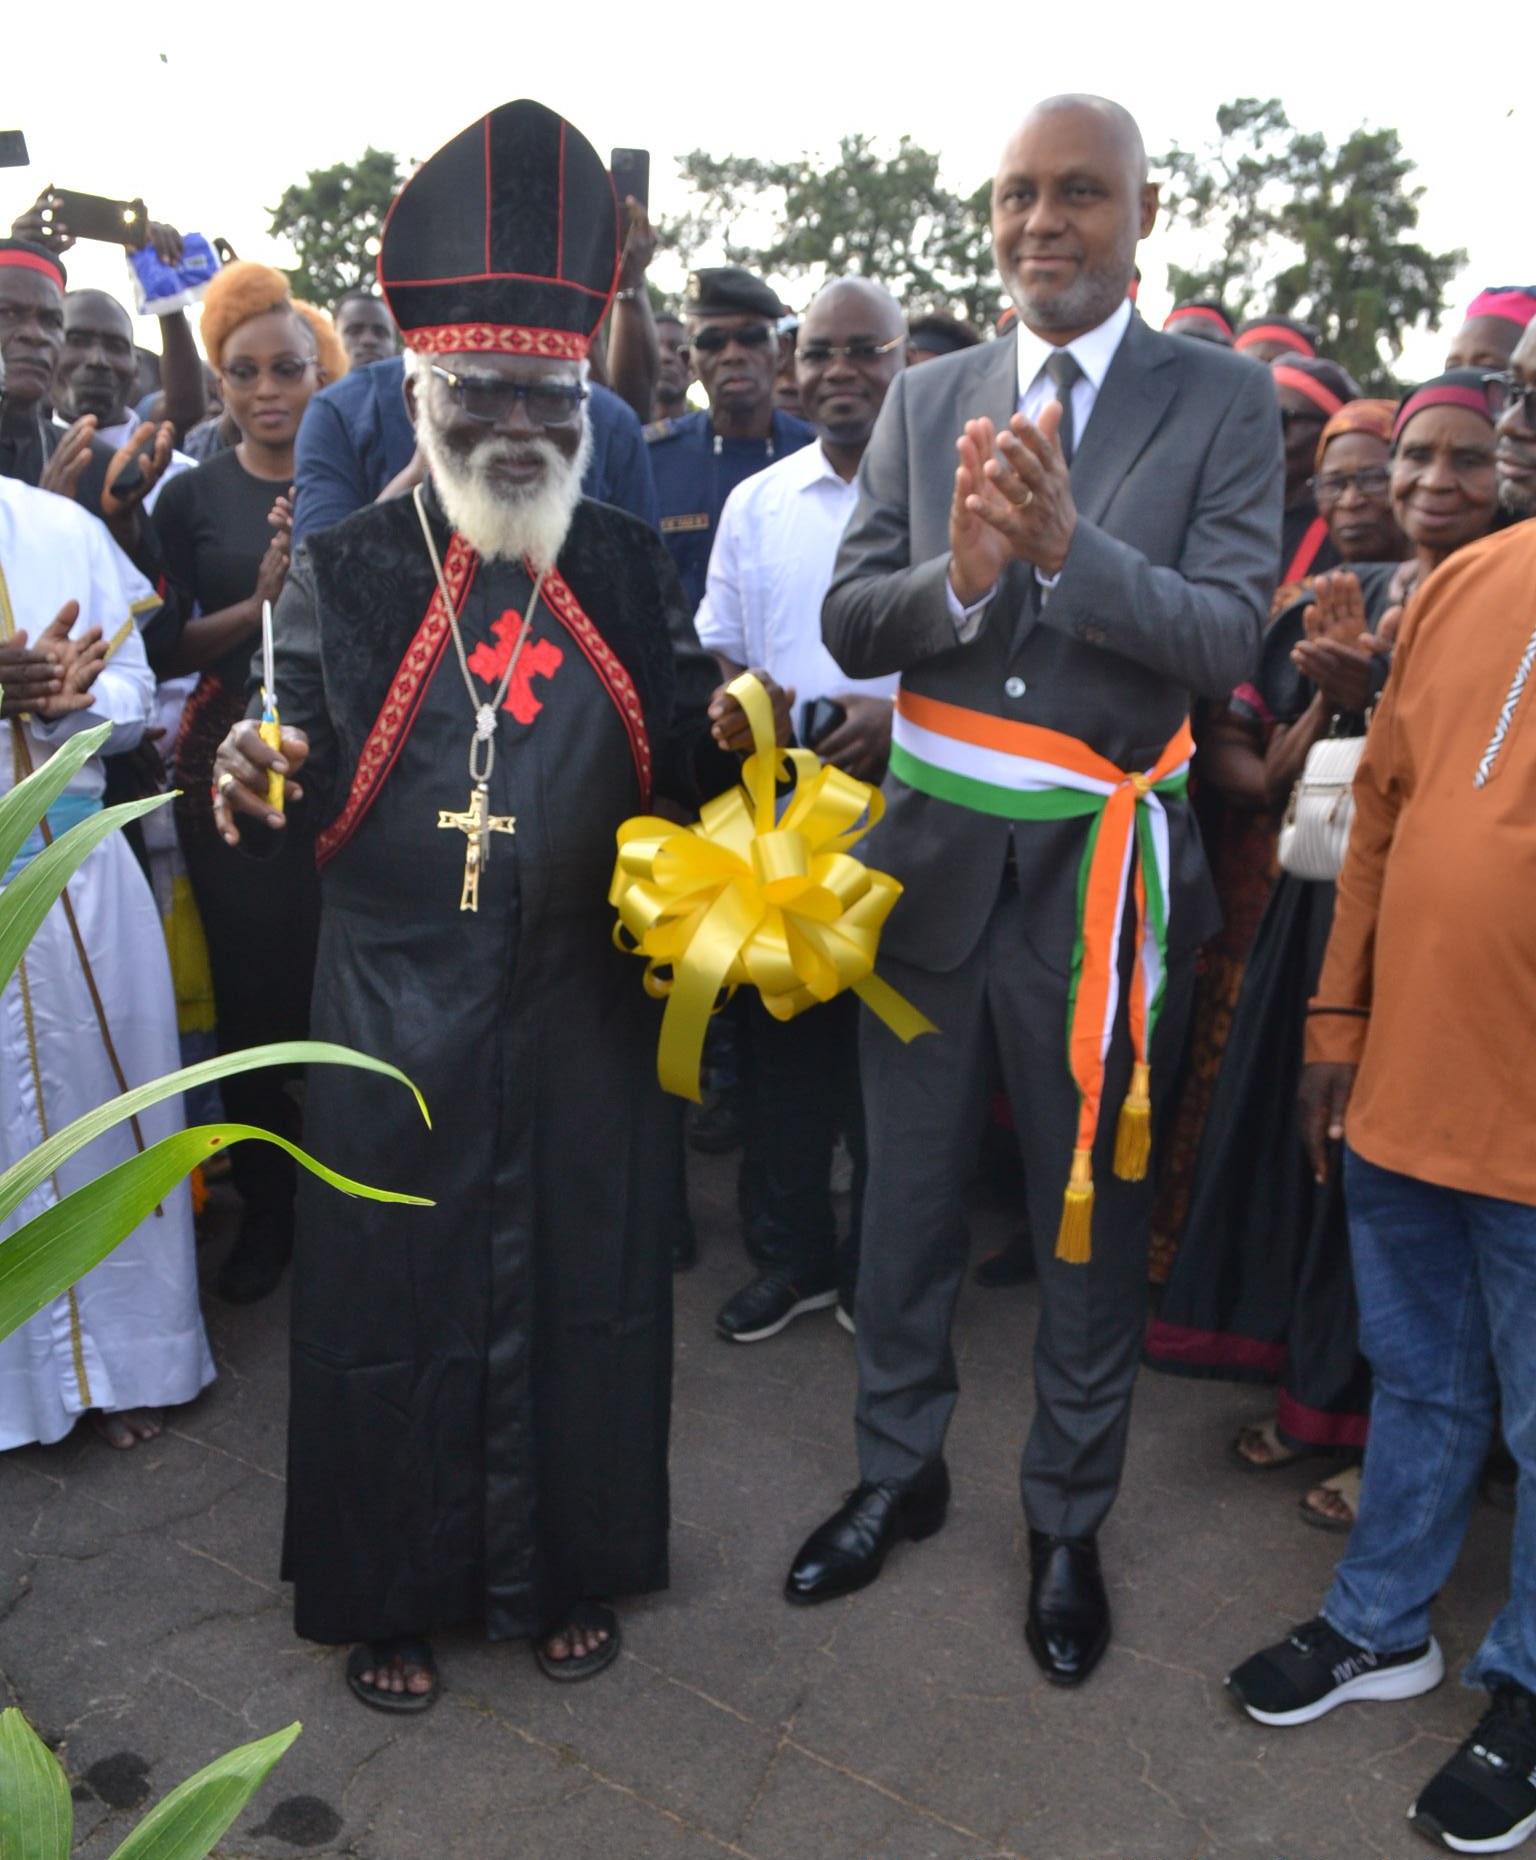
[769, 569]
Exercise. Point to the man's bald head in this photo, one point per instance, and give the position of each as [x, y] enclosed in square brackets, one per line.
[1116, 119]
[1069, 203]
[880, 308]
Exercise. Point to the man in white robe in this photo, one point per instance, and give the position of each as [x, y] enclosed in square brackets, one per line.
[127, 1340]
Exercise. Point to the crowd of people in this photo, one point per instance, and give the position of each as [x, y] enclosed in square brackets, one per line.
[1104, 610]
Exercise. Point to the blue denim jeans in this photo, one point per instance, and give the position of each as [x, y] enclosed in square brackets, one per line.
[1447, 1285]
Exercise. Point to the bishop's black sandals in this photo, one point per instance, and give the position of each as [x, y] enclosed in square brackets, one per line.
[370, 1658]
[585, 1617]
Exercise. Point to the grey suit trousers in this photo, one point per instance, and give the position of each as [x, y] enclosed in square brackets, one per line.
[924, 1106]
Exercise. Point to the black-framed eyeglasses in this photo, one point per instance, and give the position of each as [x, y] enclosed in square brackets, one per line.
[1329, 486]
[1508, 390]
[861, 349]
[712, 338]
[288, 369]
[489, 398]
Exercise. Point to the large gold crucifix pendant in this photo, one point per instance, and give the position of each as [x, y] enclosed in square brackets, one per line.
[477, 823]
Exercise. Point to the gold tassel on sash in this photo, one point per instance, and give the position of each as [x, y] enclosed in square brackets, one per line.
[1133, 1133]
[1074, 1238]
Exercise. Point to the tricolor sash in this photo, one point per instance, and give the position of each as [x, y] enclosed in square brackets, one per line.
[1019, 771]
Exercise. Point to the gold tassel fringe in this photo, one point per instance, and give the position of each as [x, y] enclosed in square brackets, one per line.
[1133, 1133]
[1074, 1238]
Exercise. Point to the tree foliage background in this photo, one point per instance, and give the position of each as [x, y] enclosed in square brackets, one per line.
[1296, 226]
[887, 217]
[1286, 221]
[330, 218]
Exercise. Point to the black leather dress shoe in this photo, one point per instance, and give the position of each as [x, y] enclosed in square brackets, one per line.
[1068, 1623]
[847, 1551]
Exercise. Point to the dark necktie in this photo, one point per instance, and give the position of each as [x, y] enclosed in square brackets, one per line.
[1065, 372]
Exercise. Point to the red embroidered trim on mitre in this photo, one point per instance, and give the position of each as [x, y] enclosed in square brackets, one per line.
[563, 604]
[398, 712]
[496, 339]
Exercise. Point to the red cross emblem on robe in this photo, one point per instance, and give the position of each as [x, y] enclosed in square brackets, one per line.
[541, 658]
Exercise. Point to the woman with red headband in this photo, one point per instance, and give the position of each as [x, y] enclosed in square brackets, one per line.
[1261, 1290]
[1275, 338]
[1310, 393]
[1496, 320]
[1240, 819]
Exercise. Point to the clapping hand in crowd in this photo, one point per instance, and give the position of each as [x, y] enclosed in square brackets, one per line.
[55, 676]
[1013, 499]
[1339, 650]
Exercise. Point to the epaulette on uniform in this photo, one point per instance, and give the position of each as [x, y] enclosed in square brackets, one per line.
[662, 429]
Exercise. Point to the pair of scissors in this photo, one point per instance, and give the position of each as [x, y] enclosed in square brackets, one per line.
[271, 729]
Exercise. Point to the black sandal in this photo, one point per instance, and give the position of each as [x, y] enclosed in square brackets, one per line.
[585, 1617]
[371, 1657]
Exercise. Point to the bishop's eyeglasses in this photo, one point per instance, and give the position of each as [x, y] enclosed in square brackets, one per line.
[490, 398]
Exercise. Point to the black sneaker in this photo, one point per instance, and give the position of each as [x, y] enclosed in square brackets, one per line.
[1316, 1668]
[1484, 1800]
[764, 1307]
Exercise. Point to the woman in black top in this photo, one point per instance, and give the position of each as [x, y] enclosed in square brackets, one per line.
[225, 557]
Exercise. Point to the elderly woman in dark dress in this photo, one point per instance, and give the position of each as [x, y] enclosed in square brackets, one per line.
[1240, 818]
[1261, 1289]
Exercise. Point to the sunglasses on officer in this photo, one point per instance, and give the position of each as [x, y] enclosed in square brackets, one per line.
[712, 338]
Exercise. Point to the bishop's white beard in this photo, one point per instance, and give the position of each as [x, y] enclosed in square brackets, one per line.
[504, 522]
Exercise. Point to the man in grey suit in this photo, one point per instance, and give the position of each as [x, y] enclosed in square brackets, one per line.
[1103, 548]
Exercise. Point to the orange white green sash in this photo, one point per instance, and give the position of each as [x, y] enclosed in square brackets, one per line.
[1019, 771]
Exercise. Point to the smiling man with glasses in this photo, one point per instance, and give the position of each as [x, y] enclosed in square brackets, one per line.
[732, 319]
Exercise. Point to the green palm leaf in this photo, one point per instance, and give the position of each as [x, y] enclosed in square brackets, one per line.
[29, 800]
[192, 1817]
[30, 895]
[33, 1169]
[37, 1819]
[47, 1255]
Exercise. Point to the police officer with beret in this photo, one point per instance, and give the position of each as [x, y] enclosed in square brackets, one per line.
[699, 459]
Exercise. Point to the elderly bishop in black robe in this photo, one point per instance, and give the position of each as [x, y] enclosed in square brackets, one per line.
[477, 684]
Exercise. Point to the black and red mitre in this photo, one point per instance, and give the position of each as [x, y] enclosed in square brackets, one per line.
[507, 240]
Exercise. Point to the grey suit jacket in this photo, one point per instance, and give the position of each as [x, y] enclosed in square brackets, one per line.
[1164, 593]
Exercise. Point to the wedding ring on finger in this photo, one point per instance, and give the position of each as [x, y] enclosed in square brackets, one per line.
[226, 781]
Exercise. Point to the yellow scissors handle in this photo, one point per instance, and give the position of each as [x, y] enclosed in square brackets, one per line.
[272, 736]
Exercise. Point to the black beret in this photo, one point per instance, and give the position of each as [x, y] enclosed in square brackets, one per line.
[727, 290]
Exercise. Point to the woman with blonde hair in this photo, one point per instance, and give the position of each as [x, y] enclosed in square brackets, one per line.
[271, 354]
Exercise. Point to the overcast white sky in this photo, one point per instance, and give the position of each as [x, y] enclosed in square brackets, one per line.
[243, 103]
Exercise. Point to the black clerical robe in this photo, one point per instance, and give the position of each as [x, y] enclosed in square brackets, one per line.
[480, 1390]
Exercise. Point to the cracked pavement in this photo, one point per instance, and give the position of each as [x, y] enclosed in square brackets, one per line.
[143, 1629]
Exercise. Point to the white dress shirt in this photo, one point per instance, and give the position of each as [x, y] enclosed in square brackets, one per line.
[769, 570]
[1093, 353]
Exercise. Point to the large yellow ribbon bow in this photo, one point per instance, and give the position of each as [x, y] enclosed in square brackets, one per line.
[742, 897]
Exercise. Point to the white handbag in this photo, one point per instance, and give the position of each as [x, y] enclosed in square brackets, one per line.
[1315, 830]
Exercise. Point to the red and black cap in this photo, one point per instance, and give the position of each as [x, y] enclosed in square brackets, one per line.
[506, 240]
[28, 257]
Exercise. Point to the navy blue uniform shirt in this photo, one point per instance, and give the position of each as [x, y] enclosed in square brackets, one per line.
[696, 469]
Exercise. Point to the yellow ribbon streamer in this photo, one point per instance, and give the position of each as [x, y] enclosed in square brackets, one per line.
[744, 898]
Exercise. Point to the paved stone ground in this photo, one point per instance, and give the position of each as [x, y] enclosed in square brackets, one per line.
[143, 1629]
